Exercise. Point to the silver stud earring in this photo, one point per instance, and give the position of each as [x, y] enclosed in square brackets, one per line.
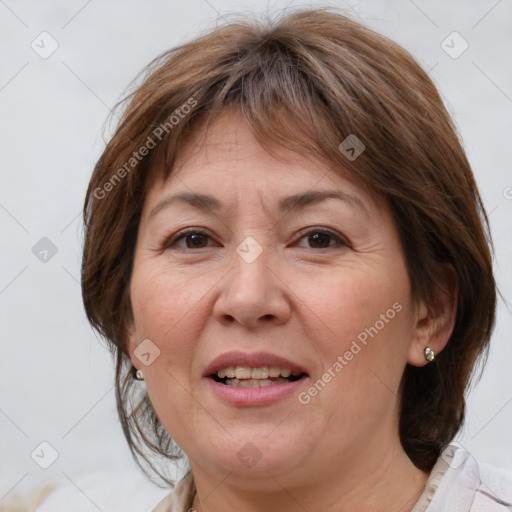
[429, 354]
[139, 375]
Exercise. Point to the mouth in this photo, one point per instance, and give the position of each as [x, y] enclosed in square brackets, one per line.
[247, 377]
[256, 379]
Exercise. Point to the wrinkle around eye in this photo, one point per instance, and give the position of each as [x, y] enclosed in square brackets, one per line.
[335, 239]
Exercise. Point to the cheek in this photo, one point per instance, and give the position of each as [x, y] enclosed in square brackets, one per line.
[361, 333]
[354, 302]
[164, 304]
[364, 317]
[165, 311]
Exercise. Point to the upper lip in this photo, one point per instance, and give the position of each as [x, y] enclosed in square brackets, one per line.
[254, 360]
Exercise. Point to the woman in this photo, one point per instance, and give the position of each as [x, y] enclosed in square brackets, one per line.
[287, 252]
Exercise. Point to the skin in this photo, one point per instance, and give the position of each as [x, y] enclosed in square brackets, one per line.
[302, 298]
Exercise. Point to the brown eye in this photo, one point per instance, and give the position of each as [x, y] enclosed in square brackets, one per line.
[196, 240]
[322, 239]
[193, 238]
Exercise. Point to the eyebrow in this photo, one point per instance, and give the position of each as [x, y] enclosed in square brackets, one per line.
[286, 205]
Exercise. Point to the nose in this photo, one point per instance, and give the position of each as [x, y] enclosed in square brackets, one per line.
[254, 293]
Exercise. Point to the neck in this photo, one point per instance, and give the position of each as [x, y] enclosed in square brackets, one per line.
[386, 481]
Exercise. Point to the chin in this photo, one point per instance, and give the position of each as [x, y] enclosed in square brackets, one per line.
[254, 458]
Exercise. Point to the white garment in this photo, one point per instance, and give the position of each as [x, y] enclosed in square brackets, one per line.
[458, 483]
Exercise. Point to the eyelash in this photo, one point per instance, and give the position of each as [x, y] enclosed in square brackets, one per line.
[170, 242]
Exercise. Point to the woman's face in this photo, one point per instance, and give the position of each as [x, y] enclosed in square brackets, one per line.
[319, 282]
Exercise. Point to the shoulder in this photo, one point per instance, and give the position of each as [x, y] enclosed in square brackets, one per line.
[495, 486]
[469, 485]
[103, 491]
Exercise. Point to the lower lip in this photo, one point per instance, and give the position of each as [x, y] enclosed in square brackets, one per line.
[247, 397]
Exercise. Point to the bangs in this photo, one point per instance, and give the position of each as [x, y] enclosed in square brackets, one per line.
[282, 106]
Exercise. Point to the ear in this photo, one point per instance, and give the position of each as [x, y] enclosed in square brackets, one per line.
[434, 325]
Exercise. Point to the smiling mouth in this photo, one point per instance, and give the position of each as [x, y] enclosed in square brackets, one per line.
[256, 383]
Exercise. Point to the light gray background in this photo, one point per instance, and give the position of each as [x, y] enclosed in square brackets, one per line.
[56, 378]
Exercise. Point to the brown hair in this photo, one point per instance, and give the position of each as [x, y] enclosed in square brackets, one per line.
[305, 81]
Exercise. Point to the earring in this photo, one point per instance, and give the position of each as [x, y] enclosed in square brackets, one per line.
[139, 375]
[429, 354]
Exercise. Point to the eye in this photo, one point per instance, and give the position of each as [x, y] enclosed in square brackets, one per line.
[320, 238]
[197, 239]
[194, 239]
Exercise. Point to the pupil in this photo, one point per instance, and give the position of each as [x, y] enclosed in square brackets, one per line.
[317, 238]
[196, 239]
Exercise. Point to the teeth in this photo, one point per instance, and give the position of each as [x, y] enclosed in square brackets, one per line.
[274, 371]
[259, 373]
[253, 383]
[245, 372]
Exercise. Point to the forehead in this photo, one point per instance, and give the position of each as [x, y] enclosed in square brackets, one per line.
[227, 162]
[229, 151]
